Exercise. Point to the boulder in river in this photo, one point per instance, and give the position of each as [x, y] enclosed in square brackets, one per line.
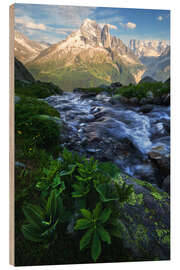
[166, 100]
[145, 221]
[118, 99]
[166, 184]
[160, 155]
[89, 95]
[116, 84]
[146, 108]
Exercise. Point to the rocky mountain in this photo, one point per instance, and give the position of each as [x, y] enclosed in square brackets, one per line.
[26, 50]
[88, 57]
[158, 67]
[155, 56]
[148, 48]
[21, 72]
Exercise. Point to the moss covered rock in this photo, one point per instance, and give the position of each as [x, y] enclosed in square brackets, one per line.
[145, 221]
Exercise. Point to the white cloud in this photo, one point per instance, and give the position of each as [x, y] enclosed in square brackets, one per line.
[160, 18]
[29, 23]
[128, 25]
[64, 31]
[32, 25]
[111, 26]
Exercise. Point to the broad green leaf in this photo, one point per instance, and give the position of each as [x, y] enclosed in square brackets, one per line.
[70, 170]
[86, 213]
[95, 247]
[80, 178]
[108, 168]
[105, 215]
[60, 207]
[106, 192]
[105, 236]
[80, 203]
[82, 224]
[42, 185]
[50, 232]
[80, 190]
[86, 239]
[30, 233]
[56, 181]
[52, 204]
[62, 187]
[124, 191]
[33, 216]
[46, 171]
[97, 210]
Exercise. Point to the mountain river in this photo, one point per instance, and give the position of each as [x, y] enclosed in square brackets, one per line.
[139, 143]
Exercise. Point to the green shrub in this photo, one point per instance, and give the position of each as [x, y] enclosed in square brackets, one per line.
[84, 190]
[141, 90]
[33, 131]
[37, 89]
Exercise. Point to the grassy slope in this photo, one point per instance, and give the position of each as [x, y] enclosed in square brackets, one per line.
[36, 89]
[84, 72]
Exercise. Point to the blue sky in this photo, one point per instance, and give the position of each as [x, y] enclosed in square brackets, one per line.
[52, 23]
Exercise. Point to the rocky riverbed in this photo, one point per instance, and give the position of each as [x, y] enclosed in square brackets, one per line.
[136, 138]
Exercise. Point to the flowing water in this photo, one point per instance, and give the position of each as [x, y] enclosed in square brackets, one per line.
[120, 133]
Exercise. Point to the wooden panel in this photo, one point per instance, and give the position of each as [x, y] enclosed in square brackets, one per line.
[11, 138]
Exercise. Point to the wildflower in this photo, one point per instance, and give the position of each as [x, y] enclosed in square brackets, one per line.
[19, 132]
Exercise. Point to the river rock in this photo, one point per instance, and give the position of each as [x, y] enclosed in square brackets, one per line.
[89, 95]
[77, 90]
[116, 84]
[63, 107]
[118, 99]
[150, 95]
[143, 101]
[157, 101]
[133, 100]
[160, 155]
[166, 100]
[87, 118]
[95, 109]
[103, 96]
[144, 220]
[146, 108]
[166, 184]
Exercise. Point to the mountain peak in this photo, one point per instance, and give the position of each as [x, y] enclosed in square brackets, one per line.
[87, 21]
[105, 36]
[148, 47]
[91, 32]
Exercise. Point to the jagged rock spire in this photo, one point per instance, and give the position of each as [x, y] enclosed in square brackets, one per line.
[106, 37]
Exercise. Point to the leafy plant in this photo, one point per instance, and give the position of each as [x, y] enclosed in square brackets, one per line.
[43, 223]
[83, 184]
[94, 222]
[51, 178]
[124, 191]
